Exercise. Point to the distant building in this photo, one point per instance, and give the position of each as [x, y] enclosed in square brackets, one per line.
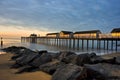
[87, 34]
[55, 35]
[33, 35]
[66, 34]
[33, 38]
[115, 32]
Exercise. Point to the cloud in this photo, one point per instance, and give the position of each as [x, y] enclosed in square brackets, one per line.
[56, 15]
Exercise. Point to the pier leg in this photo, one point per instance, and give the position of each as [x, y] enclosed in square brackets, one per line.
[57, 42]
[116, 46]
[82, 44]
[73, 43]
[99, 44]
[112, 45]
[69, 43]
[87, 44]
[92, 44]
[104, 45]
[107, 44]
[77, 44]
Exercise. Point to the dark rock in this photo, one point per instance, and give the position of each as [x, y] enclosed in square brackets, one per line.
[41, 59]
[27, 69]
[70, 59]
[83, 59]
[21, 53]
[13, 49]
[51, 67]
[69, 72]
[25, 59]
[15, 65]
[54, 55]
[42, 51]
[92, 55]
[117, 60]
[99, 59]
[103, 71]
[80, 59]
[64, 54]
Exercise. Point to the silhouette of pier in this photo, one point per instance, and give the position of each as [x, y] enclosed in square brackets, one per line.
[92, 39]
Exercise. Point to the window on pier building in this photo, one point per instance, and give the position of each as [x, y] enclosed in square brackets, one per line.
[115, 33]
[54, 35]
[87, 34]
[66, 34]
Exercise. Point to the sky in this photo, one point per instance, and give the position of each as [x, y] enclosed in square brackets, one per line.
[23, 17]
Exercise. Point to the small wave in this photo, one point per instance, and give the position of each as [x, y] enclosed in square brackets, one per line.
[1, 52]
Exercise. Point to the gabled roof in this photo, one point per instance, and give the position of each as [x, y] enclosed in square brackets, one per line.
[66, 32]
[91, 31]
[115, 30]
[52, 33]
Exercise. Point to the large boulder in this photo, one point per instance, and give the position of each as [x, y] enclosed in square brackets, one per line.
[64, 54]
[13, 49]
[51, 67]
[69, 72]
[26, 69]
[41, 59]
[103, 71]
[24, 60]
[117, 60]
[99, 59]
[80, 59]
[22, 52]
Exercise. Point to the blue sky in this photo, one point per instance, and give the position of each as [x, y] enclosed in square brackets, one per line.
[57, 15]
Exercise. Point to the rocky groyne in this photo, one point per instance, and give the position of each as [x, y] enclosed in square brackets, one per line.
[65, 65]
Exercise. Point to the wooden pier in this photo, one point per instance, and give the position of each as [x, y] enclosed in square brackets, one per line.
[76, 43]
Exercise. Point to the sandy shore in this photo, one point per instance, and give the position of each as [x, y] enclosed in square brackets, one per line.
[9, 74]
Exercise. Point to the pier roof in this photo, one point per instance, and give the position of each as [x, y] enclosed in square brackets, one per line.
[115, 30]
[66, 32]
[91, 31]
[52, 33]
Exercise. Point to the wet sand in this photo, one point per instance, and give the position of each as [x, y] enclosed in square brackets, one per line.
[9, 74]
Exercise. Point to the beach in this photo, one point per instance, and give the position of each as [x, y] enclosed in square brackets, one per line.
[9, 74]
[110, 61]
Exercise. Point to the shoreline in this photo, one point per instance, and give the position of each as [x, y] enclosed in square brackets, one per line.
[9, 74]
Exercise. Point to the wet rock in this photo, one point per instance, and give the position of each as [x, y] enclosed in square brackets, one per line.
[54, 55]
[64, 54]
[26, 59]
[103, 71]
[99, 59]
[42, 51]
[117, 60]
[51, 67]
[16, 65]
[21, 53]
[69, 72]
[92, 55]
[41, 59]
[13, 49]
[27, 69]
[80, 59]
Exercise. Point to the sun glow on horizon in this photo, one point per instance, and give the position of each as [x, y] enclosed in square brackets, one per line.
[12, 32]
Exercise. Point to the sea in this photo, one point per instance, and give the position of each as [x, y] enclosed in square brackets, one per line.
[7, 42]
